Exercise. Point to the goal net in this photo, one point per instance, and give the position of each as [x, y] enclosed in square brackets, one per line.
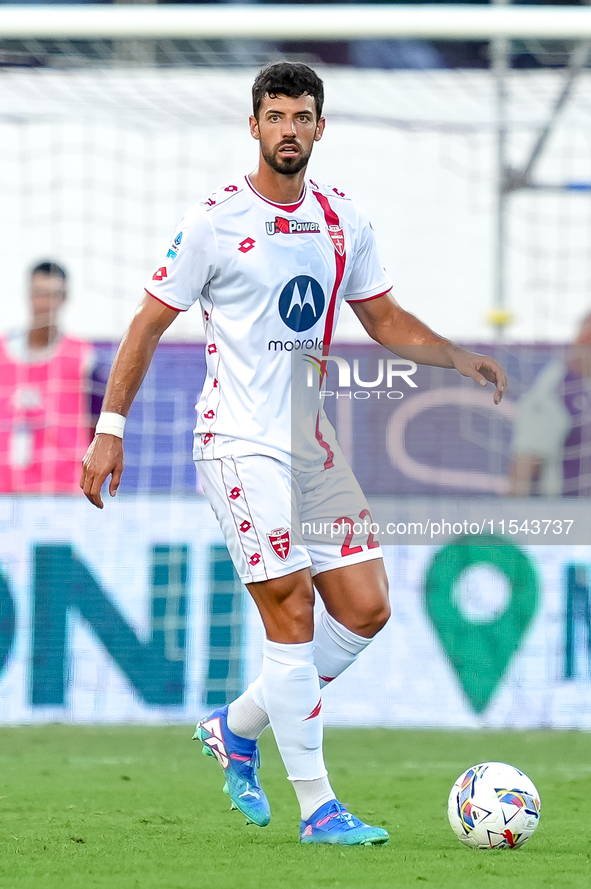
[101, 158]
[104, 145]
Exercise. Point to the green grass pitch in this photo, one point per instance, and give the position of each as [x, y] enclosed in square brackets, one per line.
[126, 807]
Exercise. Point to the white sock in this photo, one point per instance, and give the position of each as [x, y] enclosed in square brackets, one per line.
[246, 716]
[335, 648]
[292, 698]
[312, 794]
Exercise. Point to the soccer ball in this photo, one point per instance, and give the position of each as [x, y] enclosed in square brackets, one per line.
[493, 806]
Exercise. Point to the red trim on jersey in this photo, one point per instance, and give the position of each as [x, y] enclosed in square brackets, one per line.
[366, 299]
[340, 260]
[287, 208]
[251, 517]
[157, 298]
[328, 463]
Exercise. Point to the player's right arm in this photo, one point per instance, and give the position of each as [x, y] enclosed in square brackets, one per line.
[104, 457]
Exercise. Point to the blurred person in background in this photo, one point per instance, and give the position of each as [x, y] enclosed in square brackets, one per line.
[46, 382]
[551, 447]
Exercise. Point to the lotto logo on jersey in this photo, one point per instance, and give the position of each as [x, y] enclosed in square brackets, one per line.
[246, 245]
[280, 542]
[291, 227]
[160, 274]
[301, 303]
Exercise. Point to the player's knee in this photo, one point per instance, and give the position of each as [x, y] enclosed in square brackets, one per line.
[372, 621]
[287, 609]
[379, 614]
[291, 624]
[375, 612]
[298, 609]
[382, 616]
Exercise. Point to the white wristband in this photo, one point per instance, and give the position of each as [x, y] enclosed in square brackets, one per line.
[111, 424]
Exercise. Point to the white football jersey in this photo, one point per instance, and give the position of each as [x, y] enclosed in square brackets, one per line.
[270, 279]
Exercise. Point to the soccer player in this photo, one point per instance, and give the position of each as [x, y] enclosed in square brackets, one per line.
[270, 257]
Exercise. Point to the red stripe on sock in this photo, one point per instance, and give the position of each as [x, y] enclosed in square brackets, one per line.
[315, 711]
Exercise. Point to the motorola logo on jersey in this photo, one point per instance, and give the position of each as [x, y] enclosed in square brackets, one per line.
[301, 303]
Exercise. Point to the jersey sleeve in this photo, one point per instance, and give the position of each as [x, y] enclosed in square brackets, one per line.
[189, 264]
[368, 278]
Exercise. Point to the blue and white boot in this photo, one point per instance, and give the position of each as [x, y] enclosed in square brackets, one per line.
[333, 824]
[240, 759]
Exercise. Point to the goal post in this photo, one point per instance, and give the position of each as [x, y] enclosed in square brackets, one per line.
[294, 22]
[113, 107]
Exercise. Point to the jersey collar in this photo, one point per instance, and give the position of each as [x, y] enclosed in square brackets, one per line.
[287, 208]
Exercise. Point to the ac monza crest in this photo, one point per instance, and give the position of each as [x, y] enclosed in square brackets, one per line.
[338, 238]
[280, 541]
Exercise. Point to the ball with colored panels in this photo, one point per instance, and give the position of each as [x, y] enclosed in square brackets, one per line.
[493, 806]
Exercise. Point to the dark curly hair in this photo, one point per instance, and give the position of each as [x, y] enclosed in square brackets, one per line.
[49, 267]
[292, 79]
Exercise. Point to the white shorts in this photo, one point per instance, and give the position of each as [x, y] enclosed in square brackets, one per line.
[277, 520]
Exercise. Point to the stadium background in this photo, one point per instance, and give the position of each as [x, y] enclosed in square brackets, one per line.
[135, 614]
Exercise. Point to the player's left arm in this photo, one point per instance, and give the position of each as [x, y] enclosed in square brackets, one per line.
[391, 326]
